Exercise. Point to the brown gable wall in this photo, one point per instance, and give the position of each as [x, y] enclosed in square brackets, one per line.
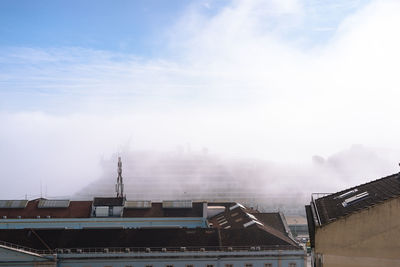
[364, 238]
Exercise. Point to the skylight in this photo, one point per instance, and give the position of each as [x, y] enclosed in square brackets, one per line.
[50, 203]
[348, 193]
[251, 216]
[236, 206]
[13, 204]
[249, 223]
[354, 199]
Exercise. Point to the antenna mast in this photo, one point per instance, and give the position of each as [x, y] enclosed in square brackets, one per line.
[119, 187]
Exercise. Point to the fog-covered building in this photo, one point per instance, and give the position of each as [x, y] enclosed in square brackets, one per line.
[197, 176]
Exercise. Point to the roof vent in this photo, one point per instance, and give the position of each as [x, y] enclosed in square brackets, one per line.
[148, 250]
[202, 249]
[4, 217]
[163, 250]
[183, 249]
[355, 199]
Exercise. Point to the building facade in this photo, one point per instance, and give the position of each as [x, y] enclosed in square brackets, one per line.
[115, 232]
[358, 226]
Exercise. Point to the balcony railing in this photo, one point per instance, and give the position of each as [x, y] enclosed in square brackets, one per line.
[120, 250]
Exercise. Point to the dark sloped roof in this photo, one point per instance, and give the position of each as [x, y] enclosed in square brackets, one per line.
[236, 218]
[108, 201]
[272, 219]
[331, 207]
[76, 209]
[157, 210]
[100, 238]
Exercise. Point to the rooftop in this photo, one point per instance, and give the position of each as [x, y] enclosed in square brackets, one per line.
[75, 209]
[239, 217]
[331, 207]
[142, 238]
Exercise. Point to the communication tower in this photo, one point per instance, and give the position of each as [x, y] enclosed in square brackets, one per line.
[119, 187]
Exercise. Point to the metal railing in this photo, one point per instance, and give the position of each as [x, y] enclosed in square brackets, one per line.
[120, 250]
[26, 249]
[314, 197]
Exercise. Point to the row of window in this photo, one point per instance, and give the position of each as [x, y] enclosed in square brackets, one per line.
[292, 264]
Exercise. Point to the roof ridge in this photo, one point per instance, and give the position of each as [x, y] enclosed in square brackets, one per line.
[363, 184]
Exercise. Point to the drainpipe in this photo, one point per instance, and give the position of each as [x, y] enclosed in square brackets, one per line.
[219, 238]
[279, 259]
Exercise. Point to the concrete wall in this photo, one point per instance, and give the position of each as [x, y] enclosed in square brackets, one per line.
[370, 237]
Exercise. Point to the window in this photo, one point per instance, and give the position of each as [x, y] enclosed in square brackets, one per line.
[292, 264]
[268, 265]
[189, 265]
[128, 265]
[149, 265]
[169, 265]
[210, 265]
[248, 265]
[228, 265]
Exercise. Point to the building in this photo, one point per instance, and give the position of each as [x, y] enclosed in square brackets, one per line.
[298, 226]
[116, 232]
[359, 226]
[119, 233]
[196, 176]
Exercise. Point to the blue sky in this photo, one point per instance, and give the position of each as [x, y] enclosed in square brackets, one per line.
[278, 80]
[136, 27]
[128, 26]
[41, 37]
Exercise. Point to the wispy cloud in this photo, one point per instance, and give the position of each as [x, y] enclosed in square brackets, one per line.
[232, 81]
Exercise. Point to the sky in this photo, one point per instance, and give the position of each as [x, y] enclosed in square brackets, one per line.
[279, 80]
